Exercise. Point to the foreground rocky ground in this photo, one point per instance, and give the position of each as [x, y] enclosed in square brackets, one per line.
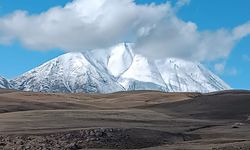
[113, 138]
[132, 120]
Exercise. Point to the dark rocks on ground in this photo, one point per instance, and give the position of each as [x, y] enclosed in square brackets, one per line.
[112, 138]
[237, 125]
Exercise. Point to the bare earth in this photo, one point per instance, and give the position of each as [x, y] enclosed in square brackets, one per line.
[127, 120]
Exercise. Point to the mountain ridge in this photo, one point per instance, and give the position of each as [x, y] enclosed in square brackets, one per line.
[4, 83]
[115, 69]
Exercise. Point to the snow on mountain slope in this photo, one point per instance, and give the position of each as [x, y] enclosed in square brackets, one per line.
[70, 72]
[115, 60]
[121, 58]
[181, 75]
[4, 83]
[116, 69]
[142, 75]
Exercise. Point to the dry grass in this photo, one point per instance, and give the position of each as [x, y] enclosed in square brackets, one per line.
[209, 117]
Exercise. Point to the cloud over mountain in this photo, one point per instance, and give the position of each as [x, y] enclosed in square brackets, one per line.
[154, 28]
[82, 24]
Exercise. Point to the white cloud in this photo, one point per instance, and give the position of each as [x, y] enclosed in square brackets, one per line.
[176, 38]
[181, 3]
[241, 31]
[219, 68]
[82, 24]
[156, 30]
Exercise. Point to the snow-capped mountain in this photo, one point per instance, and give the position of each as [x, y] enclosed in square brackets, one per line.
[4, 83]
[72, 73]
[142, 75]
[181, 75]
[118, 69]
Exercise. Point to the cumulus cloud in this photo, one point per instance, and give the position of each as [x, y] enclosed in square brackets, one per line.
[176, 38]
[82, 24]
[155, 29]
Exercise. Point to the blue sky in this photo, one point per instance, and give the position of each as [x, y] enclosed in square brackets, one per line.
[206, 14]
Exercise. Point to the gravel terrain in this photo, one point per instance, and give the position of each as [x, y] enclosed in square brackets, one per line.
[125, 120]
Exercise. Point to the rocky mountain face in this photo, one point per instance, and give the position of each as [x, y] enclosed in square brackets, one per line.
[4, 83]
[117, 69]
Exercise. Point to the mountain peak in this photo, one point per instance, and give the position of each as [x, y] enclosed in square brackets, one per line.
[116, 69]
[70, 73]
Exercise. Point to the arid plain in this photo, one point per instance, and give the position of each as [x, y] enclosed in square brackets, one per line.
[125, 120]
